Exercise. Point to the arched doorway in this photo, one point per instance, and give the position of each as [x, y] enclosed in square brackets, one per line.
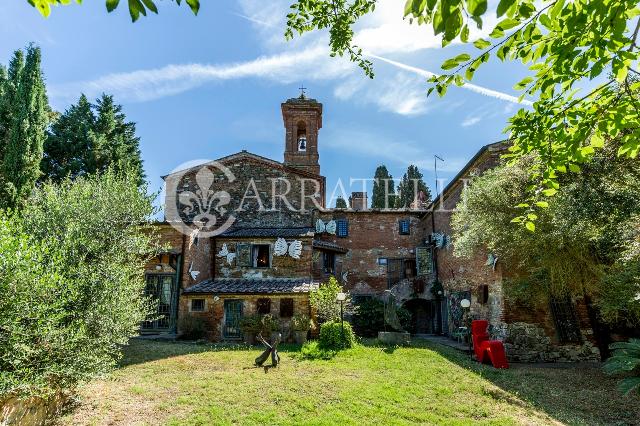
[422, 313]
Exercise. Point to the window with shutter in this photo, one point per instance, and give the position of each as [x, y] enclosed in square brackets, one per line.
[342, 228]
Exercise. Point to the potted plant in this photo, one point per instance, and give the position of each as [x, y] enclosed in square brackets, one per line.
[270, 327]
[250, 325]
[301, 324]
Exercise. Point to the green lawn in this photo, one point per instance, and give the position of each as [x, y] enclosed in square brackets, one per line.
[176, 384]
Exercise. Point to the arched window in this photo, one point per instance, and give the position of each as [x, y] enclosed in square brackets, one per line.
[302, 136]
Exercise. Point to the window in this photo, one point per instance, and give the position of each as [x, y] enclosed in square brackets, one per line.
[197, 305]
[328, 262]
[302, 136]
[286, 308]
[483, 294]
[404, 226]
[263, 306]
[261, 256]
[382, 261]
[342, 228]
[565, 319]
[400, 269]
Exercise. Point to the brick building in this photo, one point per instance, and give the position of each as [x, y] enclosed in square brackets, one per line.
[283, 242]
[561, 333]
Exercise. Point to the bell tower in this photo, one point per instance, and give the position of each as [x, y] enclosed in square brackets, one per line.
[302, 118]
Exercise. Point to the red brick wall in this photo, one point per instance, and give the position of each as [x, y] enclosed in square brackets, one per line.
[373, 234]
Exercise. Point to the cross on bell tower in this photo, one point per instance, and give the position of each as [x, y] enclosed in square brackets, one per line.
[302, 118]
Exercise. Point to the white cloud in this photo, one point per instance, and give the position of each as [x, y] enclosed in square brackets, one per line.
[470, 121]
[472, 87]
[304, 58]
[145, 85]
[401, 93]
[402, 152]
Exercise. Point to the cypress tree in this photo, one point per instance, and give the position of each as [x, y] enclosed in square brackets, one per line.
[9, 82]
[412, 183]
[383, 187]
[30, 117]
[68, 143]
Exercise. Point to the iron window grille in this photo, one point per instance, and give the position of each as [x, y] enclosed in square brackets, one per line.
[565, 320]
[197, 305]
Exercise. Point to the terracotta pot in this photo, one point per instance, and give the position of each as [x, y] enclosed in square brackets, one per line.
[301, 337]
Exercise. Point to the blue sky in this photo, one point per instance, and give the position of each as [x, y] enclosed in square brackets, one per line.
[207, 86]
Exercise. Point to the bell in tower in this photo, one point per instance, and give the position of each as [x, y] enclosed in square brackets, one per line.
[302, 119]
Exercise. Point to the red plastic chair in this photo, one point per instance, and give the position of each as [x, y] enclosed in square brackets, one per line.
[487, 351]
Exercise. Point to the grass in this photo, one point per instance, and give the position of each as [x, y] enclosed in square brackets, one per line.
[186, 384]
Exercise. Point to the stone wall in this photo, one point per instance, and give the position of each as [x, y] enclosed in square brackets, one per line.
[214, 310]
[33, 411]
[252, 202]
[281, 266]
[525, 342]
[373, 234]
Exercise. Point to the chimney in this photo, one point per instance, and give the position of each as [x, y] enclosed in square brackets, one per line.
[358, 201]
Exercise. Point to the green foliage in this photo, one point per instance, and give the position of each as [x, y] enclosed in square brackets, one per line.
[71, 281]
[333, 337]
[368, 318]
[410, 186]
[324, 301]
[578, 246]
[312, 351]
[192, 327]
[383, 189]
[301, 322]
[565, 46]
[26, 108]
[625, 360]
[251, 323]
[269, 323]
[341, 203]
[83, 142]
[136, 7]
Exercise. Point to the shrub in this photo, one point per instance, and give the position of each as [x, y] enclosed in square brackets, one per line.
[625, 360]
[269, 324]
[192, 327]
[332, 336]
[323, 300]
[368, 318]
[301, 323]
[312, 350]
[251, 324]
[71, 282]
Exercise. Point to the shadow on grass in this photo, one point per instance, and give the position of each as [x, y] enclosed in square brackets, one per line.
[140, 351]
[575, 394]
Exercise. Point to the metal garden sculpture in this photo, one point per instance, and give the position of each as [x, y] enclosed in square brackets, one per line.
[271, 350]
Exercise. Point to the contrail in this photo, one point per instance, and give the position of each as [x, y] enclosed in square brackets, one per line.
[468, 86]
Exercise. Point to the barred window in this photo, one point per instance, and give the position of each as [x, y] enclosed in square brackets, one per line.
[197, 305]
[342, 228]
[565, 319]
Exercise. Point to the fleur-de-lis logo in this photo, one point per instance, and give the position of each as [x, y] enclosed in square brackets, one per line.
[204, 201]
[201, 207]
